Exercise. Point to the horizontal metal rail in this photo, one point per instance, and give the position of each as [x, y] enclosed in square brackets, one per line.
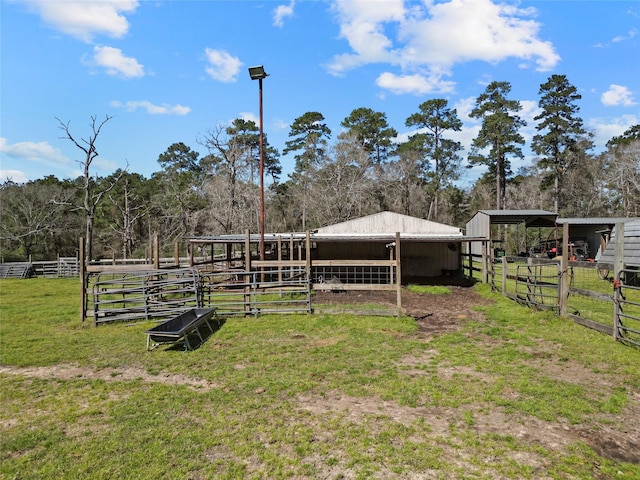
[536, 288]
[142, 295]
[252, 293]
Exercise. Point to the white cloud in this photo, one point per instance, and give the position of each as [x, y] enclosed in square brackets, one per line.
[281, 12]
[84, 19]
[617, 95]
[152, 109]
[416, 84]
[116, 63]
[40, 152]
[622, 38]
[606, 129]
[15, 176]
[222, 66]
[247, 116]
[436, 36]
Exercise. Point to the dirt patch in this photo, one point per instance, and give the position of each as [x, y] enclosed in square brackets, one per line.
[433, 313]
[72, 372]
[616, 437]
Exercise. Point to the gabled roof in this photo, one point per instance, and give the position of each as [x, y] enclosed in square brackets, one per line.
[388, 223]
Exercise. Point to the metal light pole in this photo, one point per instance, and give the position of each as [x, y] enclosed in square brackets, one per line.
[258, 73]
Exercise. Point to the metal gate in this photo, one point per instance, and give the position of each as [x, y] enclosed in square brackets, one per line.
[236, 292]
[537, 285]
[627, 307]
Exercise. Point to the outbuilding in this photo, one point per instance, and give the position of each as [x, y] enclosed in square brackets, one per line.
[426, 249]
[429, 249]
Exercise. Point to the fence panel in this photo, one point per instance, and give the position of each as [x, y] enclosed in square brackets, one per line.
[627, 307]
[537, 284]
[236, 292]
[130, 296]
[590, 301]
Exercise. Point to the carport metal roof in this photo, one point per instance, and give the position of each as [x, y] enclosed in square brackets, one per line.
[531, 218]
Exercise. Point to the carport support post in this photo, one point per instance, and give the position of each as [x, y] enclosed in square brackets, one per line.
[398, 276]
[564, 269]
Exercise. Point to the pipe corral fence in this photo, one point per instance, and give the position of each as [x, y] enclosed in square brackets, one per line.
[603, 297]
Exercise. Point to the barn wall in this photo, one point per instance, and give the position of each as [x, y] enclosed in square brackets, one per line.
[419, 259]
[479, 226]
[429, 259]
[351, 251]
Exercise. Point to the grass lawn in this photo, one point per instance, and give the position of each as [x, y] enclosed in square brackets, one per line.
[519, 394]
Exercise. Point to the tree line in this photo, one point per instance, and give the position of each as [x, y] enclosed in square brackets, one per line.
[365, 170]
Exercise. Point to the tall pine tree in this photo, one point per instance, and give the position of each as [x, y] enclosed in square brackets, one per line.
[498, 133]
[561, 139]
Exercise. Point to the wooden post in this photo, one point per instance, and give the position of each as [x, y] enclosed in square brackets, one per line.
[176, 253]
[291, 247]
[190, 248]
[398, 276]
[505, 270]
[156, 252]
[564, 269]
[308, 253]
[247, 269]
[247, 250]
[485, 259]
[279, 259]
[83, 279]
[618, 266]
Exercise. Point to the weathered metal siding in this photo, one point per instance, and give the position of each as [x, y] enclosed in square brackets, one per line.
[389, 222]
[479, 226]
[429, 259]
[419, 259]
[351, 251]
[631, 245]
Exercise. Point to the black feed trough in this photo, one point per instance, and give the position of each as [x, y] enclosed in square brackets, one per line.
[178, 328]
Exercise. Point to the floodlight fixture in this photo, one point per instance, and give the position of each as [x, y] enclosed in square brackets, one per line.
[257, 72]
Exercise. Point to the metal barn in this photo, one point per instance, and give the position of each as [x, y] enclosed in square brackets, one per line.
[480, 224]
[429, 249]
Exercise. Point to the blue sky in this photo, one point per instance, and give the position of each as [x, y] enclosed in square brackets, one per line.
[170, 72]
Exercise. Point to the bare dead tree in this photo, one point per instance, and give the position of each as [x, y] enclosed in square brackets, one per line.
[91, 196]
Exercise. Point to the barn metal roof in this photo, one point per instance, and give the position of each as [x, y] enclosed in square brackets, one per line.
[389, 223]
[327, 237]
[379, 227]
